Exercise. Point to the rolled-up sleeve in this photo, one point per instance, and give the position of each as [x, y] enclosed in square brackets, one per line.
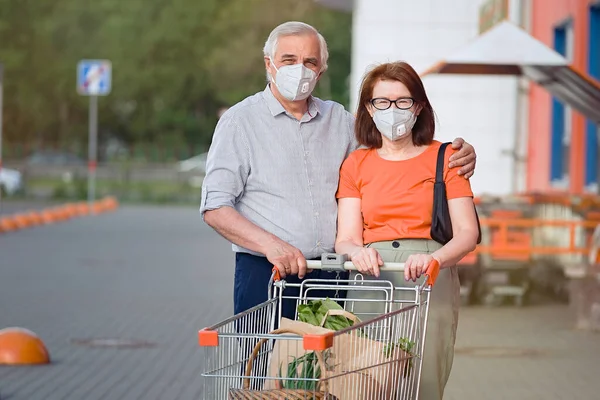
[227, 167]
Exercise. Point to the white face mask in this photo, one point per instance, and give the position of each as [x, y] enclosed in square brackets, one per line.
[295, 82]
[393, 123]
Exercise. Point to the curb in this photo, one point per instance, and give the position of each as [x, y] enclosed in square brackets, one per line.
[52, 215]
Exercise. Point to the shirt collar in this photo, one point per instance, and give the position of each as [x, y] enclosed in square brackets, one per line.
[276, 108]
[274, 105]
[313, 107]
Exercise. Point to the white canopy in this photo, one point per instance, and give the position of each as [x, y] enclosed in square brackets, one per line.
[507, 49]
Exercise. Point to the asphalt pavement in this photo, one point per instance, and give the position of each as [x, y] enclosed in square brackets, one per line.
[118, 299]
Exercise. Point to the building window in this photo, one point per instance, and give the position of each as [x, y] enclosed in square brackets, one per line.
[591, 146]
[561, 117]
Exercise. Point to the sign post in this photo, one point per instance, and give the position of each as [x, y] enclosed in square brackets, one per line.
[1, 90]
[92, 148]
[93, 80]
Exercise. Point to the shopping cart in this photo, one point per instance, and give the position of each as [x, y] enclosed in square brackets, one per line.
[257, 355]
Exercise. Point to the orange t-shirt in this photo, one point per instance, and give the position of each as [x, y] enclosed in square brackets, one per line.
[397, 196]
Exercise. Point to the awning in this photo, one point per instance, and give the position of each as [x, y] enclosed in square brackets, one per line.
[507, 49]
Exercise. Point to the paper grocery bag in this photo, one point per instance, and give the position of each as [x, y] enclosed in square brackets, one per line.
[285, 351]
[365, 368]
[358, 368]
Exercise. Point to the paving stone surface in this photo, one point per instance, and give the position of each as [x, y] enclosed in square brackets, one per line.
[155, 275]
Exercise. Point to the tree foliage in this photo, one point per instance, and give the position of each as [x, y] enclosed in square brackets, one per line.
[175, 63]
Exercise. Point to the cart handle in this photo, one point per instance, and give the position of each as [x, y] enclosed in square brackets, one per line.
[338, 262]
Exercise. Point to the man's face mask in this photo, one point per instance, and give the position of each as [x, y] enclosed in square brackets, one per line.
[295, 82]
[394, 123]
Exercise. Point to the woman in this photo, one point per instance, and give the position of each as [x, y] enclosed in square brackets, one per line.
[385, 204]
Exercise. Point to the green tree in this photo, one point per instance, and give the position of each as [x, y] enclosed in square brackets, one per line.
[175, 64]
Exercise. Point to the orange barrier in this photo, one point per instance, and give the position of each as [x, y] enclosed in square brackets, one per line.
[47, 216]
[508, 241]
[21, 221]
[82, 209]
[60, 213]
[98, 208]
[34, 218]
[594, 257]
[7, 224]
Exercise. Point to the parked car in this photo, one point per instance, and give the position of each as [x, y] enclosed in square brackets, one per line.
[195, 164]
[11, 180]
[194, 168]
[58, 158]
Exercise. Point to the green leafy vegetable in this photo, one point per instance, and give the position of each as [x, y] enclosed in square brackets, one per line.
[314, 311]
[405, 345]
[304, 368]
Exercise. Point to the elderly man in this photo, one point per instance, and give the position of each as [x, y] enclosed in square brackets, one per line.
[273, 167]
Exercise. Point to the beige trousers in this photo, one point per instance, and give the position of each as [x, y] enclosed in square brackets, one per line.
[443, 312]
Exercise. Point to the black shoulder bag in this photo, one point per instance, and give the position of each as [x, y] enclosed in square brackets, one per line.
[441, 224]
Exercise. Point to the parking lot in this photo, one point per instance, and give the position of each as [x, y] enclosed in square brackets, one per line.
[118, 299]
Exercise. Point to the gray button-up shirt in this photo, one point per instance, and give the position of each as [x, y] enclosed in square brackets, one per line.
[280, 173]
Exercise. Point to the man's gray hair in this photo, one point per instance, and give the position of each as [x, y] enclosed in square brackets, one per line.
[293, 28]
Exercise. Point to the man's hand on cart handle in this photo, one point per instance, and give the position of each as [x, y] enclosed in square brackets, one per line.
[287, 259]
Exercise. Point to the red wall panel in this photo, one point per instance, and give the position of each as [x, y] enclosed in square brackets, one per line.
[546, 15]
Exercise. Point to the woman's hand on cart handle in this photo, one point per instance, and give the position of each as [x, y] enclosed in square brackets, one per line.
[367, 261]
[417, 265]
[337, 262]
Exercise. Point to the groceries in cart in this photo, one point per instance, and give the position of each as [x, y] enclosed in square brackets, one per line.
[330, 315]
[327, 351]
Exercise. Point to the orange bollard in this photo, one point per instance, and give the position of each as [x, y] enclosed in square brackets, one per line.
[21, 221]
[104, 205]
[66, 212]
[72, 209]
[60, 214]
[56, 216]
[82, 208]
[47, 216]
[7, 224]
[111, 203]
[34, 218]
[98, 207]
[21, 346]
[39, 218]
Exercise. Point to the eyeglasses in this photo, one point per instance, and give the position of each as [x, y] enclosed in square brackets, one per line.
[403, 103]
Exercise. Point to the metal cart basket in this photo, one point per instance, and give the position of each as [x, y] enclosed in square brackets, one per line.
[257, 355]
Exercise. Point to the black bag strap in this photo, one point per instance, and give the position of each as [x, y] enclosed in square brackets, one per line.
[439, 169]
[439, 178]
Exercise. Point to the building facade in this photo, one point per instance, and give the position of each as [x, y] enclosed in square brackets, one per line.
[526, 140]
[563, 145]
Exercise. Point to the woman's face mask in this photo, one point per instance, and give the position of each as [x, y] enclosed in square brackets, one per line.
[295, 82]
[394, 123]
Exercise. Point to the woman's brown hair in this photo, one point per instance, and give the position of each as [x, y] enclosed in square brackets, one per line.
[365, 130]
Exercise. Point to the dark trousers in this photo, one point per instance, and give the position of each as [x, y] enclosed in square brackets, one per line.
[252, 274]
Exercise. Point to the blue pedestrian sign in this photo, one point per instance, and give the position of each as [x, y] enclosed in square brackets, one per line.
[94, 77]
